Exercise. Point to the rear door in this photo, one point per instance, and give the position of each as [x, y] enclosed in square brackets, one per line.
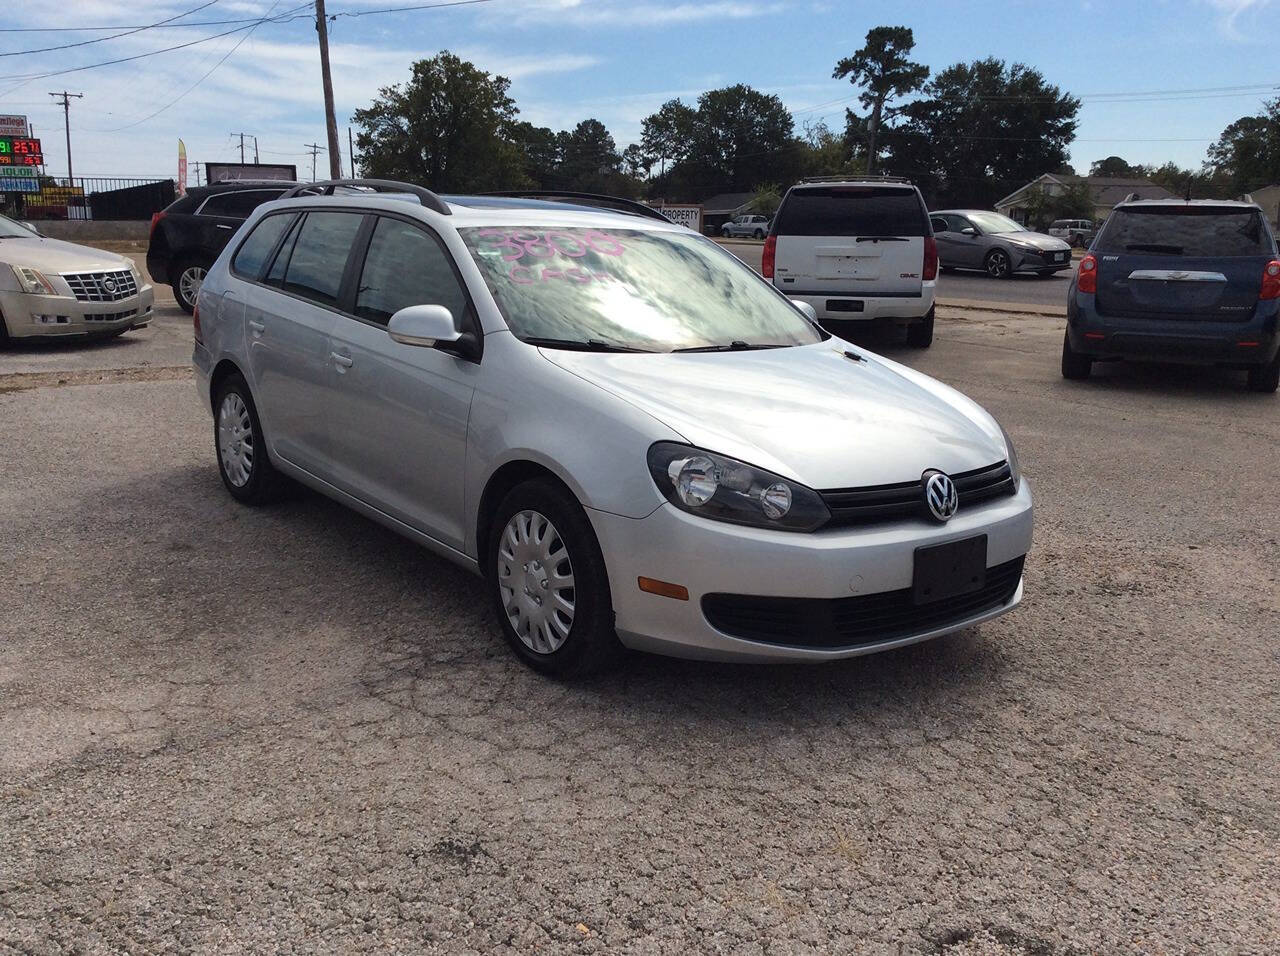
[1182, 262]
[222, 214]
[289, 316]
[851, 240]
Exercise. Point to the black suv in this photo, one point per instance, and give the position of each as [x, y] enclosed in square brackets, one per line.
[188, 235]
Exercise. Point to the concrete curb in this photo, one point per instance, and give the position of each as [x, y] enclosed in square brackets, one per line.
[1014, 308]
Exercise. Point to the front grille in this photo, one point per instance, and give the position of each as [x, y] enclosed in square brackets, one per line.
[855, 506]
[854, 621]
[109, 316]
[102, 286]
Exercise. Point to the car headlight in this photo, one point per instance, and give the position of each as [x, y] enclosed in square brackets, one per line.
[725, 489]
[1012, 455]
[29, 280]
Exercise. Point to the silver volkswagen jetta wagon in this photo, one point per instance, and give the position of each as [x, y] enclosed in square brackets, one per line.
[634, 438]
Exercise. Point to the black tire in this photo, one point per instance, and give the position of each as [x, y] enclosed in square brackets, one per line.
[1074, 365]
[590, 643]
[4, 334]
[948, 269]
[998, 264]
[920, 334]
[1078, 241]
[1265, 378]
[758, 234]
[185, 302]
[262, 484]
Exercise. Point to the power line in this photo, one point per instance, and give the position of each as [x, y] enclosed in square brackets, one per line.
[127, 32]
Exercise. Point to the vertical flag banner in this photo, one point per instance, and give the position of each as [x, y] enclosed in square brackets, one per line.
[182, 168]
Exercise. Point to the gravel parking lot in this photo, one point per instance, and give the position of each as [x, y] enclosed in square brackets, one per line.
[288, 730]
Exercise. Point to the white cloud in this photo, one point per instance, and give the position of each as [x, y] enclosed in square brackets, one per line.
[1233, 11]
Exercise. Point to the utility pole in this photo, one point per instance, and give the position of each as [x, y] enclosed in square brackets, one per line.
[66, 112]
[315, 148]
[330, 121]
[255, 146]
[351, 152]
[255, 151]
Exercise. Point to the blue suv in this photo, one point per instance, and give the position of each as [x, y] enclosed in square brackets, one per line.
[1178, 281]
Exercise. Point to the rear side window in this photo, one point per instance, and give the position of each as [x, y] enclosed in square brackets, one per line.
[319, 256]
[253, 253]
[1185, 231]
[406, 266]
[238, 205]
[852, 211]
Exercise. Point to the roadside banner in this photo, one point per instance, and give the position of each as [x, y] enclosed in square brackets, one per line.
[11, 125]
[182, 168]
[690, 216]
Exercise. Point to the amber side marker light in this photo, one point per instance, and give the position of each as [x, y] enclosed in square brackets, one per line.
[664, 589]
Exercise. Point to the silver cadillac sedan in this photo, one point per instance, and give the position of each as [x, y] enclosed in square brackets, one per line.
[631, 436]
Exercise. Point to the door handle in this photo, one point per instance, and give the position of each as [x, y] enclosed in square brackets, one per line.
[220, 225]
[257, 328]
[342, 361]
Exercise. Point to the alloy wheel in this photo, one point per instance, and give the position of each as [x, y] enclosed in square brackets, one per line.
[190, 281]
[235, 439]
[535, 582]
[997, 265]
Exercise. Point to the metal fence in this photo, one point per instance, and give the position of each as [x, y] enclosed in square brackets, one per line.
[90, 197]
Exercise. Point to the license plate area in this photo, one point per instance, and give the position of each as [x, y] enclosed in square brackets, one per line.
[845, 305]
[948, 570]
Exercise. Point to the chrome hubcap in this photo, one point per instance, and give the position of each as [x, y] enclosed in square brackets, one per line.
[190, 281]
[235, 439]
[535, 581]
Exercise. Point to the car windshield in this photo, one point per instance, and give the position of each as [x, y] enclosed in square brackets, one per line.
[12, 230]
[628, 289]
[1186, 231]
[993, 222]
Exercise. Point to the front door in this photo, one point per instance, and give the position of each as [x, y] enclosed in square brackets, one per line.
[398, 413]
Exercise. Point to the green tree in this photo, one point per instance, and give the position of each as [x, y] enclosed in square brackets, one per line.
[447, 128]
[1247, 154]
[1113, 166]
[667, 135]
[636, 162]
[540, 154]
[589, 160]
[980, 130]
[765, 200]
[881, 67]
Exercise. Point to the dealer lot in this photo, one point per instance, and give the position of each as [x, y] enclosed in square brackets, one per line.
[233, 730]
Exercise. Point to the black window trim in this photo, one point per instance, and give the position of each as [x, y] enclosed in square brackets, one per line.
[355, 268]
[199, 210]
[270, 259]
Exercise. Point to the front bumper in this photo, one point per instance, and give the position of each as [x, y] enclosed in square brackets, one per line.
[1154, 338]
[710, 557]
[57, 316]
[1029, 261]
[851, 307]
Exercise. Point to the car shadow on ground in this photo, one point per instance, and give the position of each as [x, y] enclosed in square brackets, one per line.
[61, 345]
[1172, 379]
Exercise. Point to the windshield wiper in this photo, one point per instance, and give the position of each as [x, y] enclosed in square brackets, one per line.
[882, 239]
[577, 345]
[735, 346]
[1153, 247]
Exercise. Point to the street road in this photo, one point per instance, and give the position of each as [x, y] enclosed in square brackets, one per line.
[234, 730]
[967, 287]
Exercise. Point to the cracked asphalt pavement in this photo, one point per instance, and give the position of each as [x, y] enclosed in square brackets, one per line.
[231, 730]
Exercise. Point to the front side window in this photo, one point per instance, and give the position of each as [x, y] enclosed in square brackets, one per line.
[629, 288]
[319, 255]
[406, 266]
[238, 205]
[252, 255]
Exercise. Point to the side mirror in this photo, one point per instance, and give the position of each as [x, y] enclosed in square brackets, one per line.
[806, 308]
[426, 326]
[968, 231]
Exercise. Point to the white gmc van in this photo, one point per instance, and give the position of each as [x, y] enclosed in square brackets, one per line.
[857, 250]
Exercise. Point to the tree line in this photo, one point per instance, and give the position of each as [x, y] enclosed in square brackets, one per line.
[968, 135]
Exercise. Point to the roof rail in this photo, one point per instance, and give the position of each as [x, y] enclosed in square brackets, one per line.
[856, 178]
[326, 188]
[614, 203]
[1132, 197]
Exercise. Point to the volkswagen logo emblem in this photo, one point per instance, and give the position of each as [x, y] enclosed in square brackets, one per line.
[940, 495]
[108, 285]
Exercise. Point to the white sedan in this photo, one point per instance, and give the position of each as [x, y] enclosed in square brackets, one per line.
[50, 288]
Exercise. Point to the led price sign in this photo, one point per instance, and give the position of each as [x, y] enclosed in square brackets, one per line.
[20, 151]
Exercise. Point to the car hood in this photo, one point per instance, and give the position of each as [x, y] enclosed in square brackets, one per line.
[1036, 240]
[809, 413]
[54, 255]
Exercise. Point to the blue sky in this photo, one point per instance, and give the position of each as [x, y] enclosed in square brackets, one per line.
[618, 61]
